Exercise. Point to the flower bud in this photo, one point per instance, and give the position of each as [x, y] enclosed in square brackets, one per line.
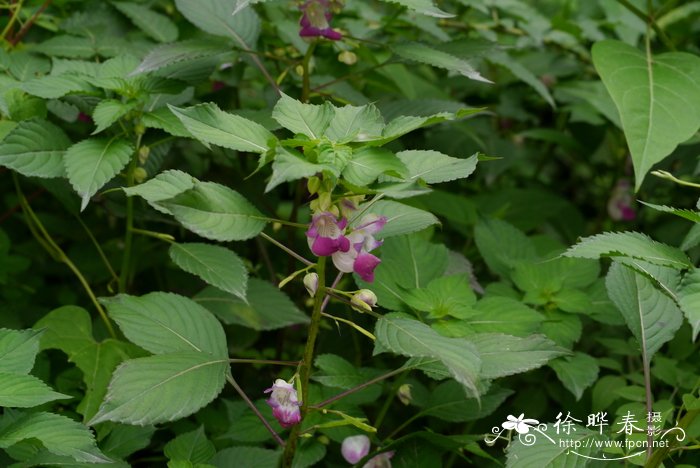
[365, 299]
[347, 57]
[140, 174]
[311, 283]
[404, 394]
[355, 448]
[284, 403]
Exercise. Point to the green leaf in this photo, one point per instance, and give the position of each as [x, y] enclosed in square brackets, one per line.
[59, 434]
[351, 123]
[124, 440]
[191, 446]
[155, 25]
[448, 295]
[448, 402]
[18, 349]
[109, 111]
[246, 457]
[54, 87]
[164, 186]
[308, 119]
[553, 448]
[289, 165]
[162, 388]
[265, 307]
[690, 215]
[216, 17]
[423, 53]
[209, 124]
[522, 73]
[409, 337]
[165, 55]
[577, 372]
[689, 299]
[67, 46]
[35, 148]
[434, 167]
[339, 373]
[401, 219]
[407, 123]
[629, 244]
[167, 323]
[657, 96]
[650, 314]
[25, 391]
[369, 163]
[165, 120]
[502, 246]
[93, 162]
[216, 212]
[503, 355]
[216, 265]
[425, 7]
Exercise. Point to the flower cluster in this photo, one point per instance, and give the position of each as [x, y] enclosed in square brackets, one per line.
[355, 448]
[350, 253]
[315, 20]
[284, 403]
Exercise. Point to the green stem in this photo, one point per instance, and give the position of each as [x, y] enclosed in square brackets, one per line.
[158, 235]
[286, 249]
[13, 19]
[649, 19]
[129, 234]
[305, 368]
[306, 79]
[100, 252]
[360, 387]
[660, 455]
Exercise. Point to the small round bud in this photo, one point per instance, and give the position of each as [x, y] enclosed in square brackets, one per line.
[404, 394]
[144, 151]
[364, 299]
[140, 174]
[311, 283]
[347, 57]
[139, 129]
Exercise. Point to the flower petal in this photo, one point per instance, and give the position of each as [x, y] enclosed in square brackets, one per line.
[364, 266]
[355, 448]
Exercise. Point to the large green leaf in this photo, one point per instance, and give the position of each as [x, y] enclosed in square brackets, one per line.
[191, 446]
[216, 265]
[164, 186]
[503, 246]
[522, 73]
[351, 123]
[689, 299]
[35, 148]
[434, 167]
[109, 111]
[407, 123]
[59, 434]
[209, 124]
[93, 162]
[162, 388]
[401, 219]
[658, 98]
[290, 165]
[369, 163]
[650, 314]
[629, 244]
[308, 119]
[553, 449]
[503, 355]
[448, 402]
[426, 7]
[18, 349]
[25, 391]
[577, 372]
[167, 323]
[155, 25]
[246, 457]
[402, 335]
[65, 45]
[166, 55]
[424, 53]
[53, 87]
[265, 307]
[216, 212]
[216, 17]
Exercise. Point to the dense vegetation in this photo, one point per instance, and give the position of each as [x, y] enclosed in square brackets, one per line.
[403, 233]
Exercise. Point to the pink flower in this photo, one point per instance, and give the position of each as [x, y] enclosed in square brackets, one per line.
[357, 258]
[315, 21]
[284, 403]
[620, 204]
[355, 448]
[383, 460]
[326, 234]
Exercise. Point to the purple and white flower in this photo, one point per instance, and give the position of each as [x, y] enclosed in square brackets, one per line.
[284, 403]
[326, 234]
[355, 448]
[315, 20]
[357, 257]
[383, 460]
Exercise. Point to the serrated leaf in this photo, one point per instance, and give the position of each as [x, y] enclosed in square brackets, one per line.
[690, 215]
[650, 314]
[408, 337]
[435, 167]
[209, 124]
[503, 355]
[246, 457]
[401, 219]
[351, 123]
[93, 162]
[216, 212]
[109, 111]
[339, 373]
[423, 53]
[35, 148]
[124, 440]
[18, 349]
[629, 244]
[289, 165]
[448, 295]
[166, 55]
[502, 246]
[265, 307]
[67, 46]
[525, 75]
[369, 163]
[689, 299]
[163, 323]
[59, 434]
[191, 446]
[164, 119]
[162, 388]
[576, 373]
[54, 87]
[25, 391]
[214, 264]
[553, 448]
[448, 402]
[216, 17]
[656, 118]
[425, 7]
[493, 314]
[164, 186]
[155, 25]
[307, 119]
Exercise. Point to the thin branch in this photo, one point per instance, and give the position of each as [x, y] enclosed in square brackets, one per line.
[286, 249]
[359, 387]
[20, 34]
[252, 406]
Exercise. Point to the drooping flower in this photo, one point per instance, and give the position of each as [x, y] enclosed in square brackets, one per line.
[521, 425]
[357, 258]
[383, 460]
[326, 234]
[315, 20]
[355, 448]
[365, 299]
[620, 205]
[311, 283]
[284, 403]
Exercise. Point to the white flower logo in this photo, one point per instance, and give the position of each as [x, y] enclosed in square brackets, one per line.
[521, 425]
